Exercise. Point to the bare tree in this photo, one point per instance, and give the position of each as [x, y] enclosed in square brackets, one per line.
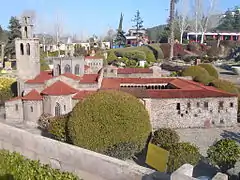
[202, 15]
[58, 30]
[182, 18]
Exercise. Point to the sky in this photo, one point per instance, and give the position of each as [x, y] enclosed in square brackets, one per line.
[88, 17]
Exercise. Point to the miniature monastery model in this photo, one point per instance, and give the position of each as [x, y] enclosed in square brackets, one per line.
[171, 102]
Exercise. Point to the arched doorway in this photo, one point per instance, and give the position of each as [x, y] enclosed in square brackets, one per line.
[58, 70]
[28, 48]
[57, 109]
[67, 68]
[77, 69]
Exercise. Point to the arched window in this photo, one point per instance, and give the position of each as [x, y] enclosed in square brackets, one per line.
[77, 70]
[67, 68]
[28, 48]
[31, 109]
[58, 70]
[22, 49]
[57, 109]
[26, 31]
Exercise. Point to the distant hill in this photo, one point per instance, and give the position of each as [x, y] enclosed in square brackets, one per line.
[154, 32]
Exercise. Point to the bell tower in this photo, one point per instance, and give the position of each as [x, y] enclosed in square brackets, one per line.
[27, 54]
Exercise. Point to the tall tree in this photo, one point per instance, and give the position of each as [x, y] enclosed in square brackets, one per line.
[14, 32]
[172, 27]
[120, 37]
[138, 22]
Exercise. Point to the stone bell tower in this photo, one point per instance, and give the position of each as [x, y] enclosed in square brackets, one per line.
[27, 54]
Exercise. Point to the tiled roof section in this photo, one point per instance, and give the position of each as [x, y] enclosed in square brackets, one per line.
[71, 76]
[92, 57]
[110, 83]
[59, 88]
[33, 95]
[134, 70]
[86, 67]
[41, 78]
[82, 94]
[15, 99]
[89, 78]
[182, 84]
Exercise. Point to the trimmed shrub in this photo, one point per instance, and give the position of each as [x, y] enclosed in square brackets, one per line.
[182, 153]
[108, 118]
[210, 69]
[224, 85]
[157, 51]
[123, 150]
[6, 91]
[58, 127]
[111, 56]
[165, 137]
[16, 166]
[150, 57]
[135, 55]
[204, 79]
[224, 153]
[194, 71]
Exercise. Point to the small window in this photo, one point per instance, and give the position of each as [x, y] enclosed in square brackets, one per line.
[221, 121]
[31, 109]
[231, 104]
[105, 70]
[16, 107]
[64, 107]
[181, 115]
[178, 106]
[111, 70]
[198, 104]
[206, 105]
[189, 105]
[221, 105]
[186, 112]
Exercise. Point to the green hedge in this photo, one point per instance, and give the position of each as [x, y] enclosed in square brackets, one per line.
[108, 118]
[210, 69]
[135, 55]
[204, 79]
[194, 71]
[225, 86]
[17, 167]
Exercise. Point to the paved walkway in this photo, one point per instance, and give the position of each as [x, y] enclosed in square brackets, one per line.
[204, 138]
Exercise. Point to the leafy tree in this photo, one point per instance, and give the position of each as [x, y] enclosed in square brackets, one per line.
[120, 37]
[224, 153]
[14, 27]
[111, 56]
[138, 22]
[109, 118]
[224, 85]
[79, 50]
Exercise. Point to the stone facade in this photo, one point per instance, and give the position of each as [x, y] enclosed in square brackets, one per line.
[94, 63]
[192, 113]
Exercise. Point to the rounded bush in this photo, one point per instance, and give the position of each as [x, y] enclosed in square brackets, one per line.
[164, 137]
[206, 80]
[195, 71]
[111, 56]
[224, 153]
[135, 55]
[224, 85]
[6, 88]
[210, 69]
[107, 118]
[182, 153]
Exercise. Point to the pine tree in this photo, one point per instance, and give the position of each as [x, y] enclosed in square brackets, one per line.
[14, 32]
[120, 38]
[138, 22]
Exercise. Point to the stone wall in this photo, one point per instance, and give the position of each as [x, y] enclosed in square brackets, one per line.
[70, 158]
[14, 110]
[192, 112]
[32, 111]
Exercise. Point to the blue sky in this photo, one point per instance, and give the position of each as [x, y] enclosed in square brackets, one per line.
[86, 17]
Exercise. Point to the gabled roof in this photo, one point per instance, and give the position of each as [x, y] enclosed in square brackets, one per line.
[82, 94]
[41, 78]
[15, 98]
[33, 95]
[134, 70]
[71, 76]
[59, 88]
[89, 78]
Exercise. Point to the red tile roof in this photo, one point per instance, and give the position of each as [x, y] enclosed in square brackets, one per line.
[59, 88]
[41, 78]
[89, 78]
[15, 98]
[82, 94]
[71, 76]
[134, 70]
[33, 95]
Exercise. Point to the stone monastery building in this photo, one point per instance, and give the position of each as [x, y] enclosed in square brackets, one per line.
[171, 102]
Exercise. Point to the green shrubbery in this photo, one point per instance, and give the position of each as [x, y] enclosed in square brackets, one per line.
[135, 55]
[15, 166]
[204, 79]
[224, 153]
[108, 118]
[225, 85]
[111, 56]
[194, 71]
[210, 69]
[6, 88]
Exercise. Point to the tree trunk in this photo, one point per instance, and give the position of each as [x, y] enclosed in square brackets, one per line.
[202, 37]
[172, 12]
[181, 37]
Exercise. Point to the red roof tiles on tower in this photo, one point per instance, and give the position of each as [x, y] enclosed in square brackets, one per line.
[33, 95]
[82, 94]
[59, 88]
[15, 98]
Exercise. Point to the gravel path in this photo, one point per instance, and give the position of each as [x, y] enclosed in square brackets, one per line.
[204, 138]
